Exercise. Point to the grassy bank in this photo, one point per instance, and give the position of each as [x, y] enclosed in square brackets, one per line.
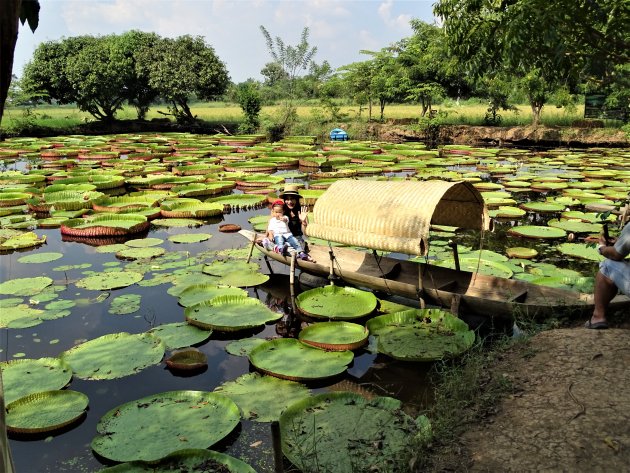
[311, 116]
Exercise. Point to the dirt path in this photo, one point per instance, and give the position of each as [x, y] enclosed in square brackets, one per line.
[570, 410]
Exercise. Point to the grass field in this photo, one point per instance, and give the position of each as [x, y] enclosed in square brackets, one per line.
[467, 113]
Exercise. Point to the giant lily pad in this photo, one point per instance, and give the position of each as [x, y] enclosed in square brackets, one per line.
[344, 432]
[192, 460]
[421, 335]
[114, 355]
[27, 376]
[262, 398]
[291, 359]
[333, 302]
[23, 240]
[580, 250]
[204, 292]
[335, 336]
[537, 231]
[140, 253]
[244, 346]
[575, 226]
[107, 281]
[230, 313]
[40, 257]
[45, 411]
[125, 304]
[149, 428]
[25, 286]
[180, 334]
[190, 237]
[105, 225]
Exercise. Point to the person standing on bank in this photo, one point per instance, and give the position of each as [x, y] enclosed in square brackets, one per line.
[613, 276]
[297, 214]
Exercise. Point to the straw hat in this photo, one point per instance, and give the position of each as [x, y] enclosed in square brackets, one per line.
[290, 190]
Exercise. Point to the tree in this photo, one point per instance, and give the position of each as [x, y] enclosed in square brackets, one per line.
[545, 44]
[386, 83]
[291, 59]
[248, 97]
[180, 68]
[357, 80]
[428, 72]
[12, 12]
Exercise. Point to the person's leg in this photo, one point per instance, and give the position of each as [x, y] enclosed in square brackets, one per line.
[279, 241]
[605, 291]
[294, 244]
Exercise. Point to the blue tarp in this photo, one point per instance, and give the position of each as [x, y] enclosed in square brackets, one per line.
[338, 135]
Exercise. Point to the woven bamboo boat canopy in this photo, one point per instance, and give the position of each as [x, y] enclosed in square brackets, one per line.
[395, 216]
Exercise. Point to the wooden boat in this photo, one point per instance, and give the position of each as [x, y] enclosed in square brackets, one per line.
[460, 291]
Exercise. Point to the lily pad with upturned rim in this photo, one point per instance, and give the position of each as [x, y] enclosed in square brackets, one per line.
[291, 359]
[198, 293]
[333, 302]
[187, 359]
[230, 313]
[154, 426]
[45, 411]
[335, 336]
[192, 460]
[521, 252]
[114, 355]
[421, 335]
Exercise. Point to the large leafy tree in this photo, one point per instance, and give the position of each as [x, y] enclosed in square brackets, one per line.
[543, 44]
[357, 81]
[181, 68]
[11, 13]
[97, 73]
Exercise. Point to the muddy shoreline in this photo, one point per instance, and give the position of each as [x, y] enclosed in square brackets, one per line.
[391, 131]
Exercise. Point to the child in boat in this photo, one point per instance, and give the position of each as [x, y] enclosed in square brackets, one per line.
[278, 232]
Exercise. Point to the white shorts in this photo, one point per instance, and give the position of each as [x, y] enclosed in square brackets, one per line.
[618, 272]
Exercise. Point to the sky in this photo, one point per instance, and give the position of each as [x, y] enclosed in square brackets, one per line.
[339, 29]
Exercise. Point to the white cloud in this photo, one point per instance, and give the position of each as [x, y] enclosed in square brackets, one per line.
[398, 21]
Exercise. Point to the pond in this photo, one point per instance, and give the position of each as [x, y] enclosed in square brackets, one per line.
[508, 178]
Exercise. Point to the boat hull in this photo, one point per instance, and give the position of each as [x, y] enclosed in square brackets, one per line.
[460, 291]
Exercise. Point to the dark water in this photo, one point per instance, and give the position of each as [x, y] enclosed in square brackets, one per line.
[70, 450]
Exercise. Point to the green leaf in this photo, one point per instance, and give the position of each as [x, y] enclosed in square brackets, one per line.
[45, 411]
[27, 376]
[154, 426]
[262, 398]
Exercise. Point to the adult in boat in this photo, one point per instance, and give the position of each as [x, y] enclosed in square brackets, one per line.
[293, 209]
[613, 276]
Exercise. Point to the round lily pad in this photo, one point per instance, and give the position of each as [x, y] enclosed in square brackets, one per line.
[23, 240]
[421, 335]
[521, 252]
[40, 257]
[333, 302]
[221, 268]
[580, 250]
[344, 432]
[125, 304]
[45, 411]
[230, 313]
[198, 293]
[291, 359]
[189, 237]
[152, 427]
[140, 253]
[27, 376]
[262, 398]
[177, 222]
[114, 355]
[192, 460]
[537, 231]
[335, 336]
[575, 226]
[187, 359]
[543, 207]
[107, 281]
[20, 316]
[25, 286]
[180, 334]
[244, 346]
[144, 242]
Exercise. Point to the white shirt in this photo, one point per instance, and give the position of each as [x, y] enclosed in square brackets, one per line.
[278, 227]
